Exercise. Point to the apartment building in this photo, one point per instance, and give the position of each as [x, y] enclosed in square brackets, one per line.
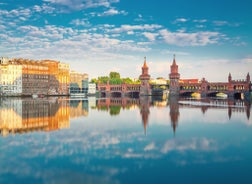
[29, 77]
[10, 78]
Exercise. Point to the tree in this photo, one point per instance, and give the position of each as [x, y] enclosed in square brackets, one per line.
[114, 75]
[94, 80]
[115, 81]
[103, 79]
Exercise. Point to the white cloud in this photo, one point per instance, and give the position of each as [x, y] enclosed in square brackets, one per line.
[111, 12]
[191, 144]
[190, 39]
[150, 36]
[80, 22]
[200, 20]
[220, 23]
[247, 60]
[181, 20]
[150, 147]
[127, 27]
[83, 4]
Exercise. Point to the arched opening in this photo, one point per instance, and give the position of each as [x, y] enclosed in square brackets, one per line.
[103, 94]
[186, 94]
[239, 96]
[133, 94]
[116, 94]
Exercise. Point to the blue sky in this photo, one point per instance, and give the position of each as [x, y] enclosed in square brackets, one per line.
[210, 38]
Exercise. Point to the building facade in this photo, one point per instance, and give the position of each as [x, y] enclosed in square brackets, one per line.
[23, 77]
[174, 77]
[78, 83]
[10, 79]
[144, 78]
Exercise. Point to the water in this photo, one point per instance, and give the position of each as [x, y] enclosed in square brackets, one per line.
[60, 140]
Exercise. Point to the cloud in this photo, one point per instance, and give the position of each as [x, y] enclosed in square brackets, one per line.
[127, 27]
[200, 20]
[180, 20]
[189, 39]
[247, 60]
[80, 22]
[111, 12]
[82, 4]
[225, 23]
[150, 147]
[150, 36]
[191, 144]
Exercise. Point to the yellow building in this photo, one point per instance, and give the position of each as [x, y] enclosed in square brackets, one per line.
[29, 77]
[64, 78]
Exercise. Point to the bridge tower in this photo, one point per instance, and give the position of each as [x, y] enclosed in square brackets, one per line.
[144, 78]
[174, 77]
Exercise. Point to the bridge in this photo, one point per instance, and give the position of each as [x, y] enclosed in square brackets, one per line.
[119, 90]
[232, 88]
[182, 87]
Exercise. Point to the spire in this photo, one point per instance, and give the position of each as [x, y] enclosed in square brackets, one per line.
[174, 59]
[145, 65]
[229, 77]
[248, 77]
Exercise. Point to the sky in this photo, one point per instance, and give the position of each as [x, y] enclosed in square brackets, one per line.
[209, 38]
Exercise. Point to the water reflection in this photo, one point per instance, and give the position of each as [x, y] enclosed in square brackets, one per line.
[27, 115]
[122, 140]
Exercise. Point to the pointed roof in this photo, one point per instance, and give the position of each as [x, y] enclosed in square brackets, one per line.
[174, 60]
[145, 65]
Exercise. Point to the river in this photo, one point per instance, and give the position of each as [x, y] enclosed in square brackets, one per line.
[123, 140]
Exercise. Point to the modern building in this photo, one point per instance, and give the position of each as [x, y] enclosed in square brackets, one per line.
[78, 83]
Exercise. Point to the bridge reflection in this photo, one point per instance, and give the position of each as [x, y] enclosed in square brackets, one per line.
[28, 115]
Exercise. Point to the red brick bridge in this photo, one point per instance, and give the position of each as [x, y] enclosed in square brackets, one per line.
[177, 86]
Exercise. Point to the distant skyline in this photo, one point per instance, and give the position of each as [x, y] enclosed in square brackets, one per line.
[209, 38]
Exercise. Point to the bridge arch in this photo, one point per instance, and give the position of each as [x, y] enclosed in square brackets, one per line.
[133, 94]
[116, 94]
[187, 94]
[239, 95]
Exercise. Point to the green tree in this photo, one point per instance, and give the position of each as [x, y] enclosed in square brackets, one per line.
[103, 79]
[94, 80]
[115, 81]
[114, 75]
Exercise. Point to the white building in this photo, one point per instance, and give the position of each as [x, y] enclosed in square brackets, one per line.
[91, 89]
[10, 79]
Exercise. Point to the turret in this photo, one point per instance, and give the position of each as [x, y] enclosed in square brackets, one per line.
[229, 77]
[144, 78]
[174, 77]
[248, 78]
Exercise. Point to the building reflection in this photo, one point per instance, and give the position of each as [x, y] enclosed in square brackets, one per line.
[78, 108]
[232, 105]
[145, 111]
[22, 115]
[174, 112]
[28, 115]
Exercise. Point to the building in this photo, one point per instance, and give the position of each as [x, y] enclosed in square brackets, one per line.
[144, 78]
[174, 77]
[64, 78]
[91, 89]
[53, 75]
[10, 79]
[23, 77]
[34, 76]
[78, 83]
